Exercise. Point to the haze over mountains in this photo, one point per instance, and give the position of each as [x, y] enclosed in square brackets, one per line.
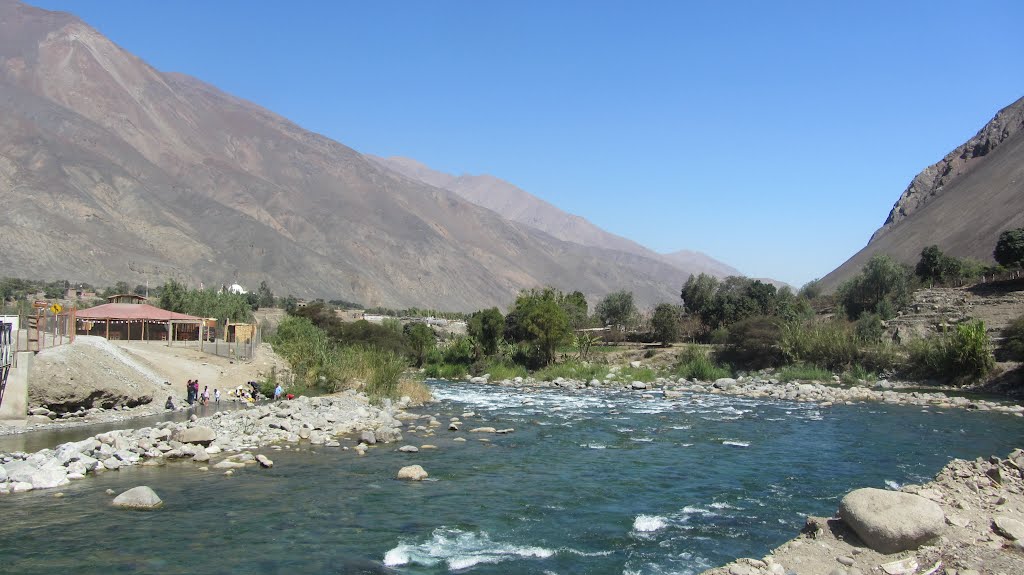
[111, 170]
[961, 203]
[517, 205]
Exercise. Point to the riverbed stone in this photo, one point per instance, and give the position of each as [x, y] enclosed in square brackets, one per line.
[891, 521]
[264, 461]
[412, 473]
[408, 449]
[368, 437]
[1008, 527]
[141, 497]
[199, 434]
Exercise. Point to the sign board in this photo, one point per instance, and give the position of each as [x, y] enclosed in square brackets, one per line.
[40, 304]
[56, 308]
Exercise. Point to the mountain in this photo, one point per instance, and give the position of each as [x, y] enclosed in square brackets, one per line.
[961, 203]
[515, 204]
[111, 170]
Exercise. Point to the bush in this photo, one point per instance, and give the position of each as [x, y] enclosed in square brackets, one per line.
[869, 328]
[832, 345]
[571, 370]
[959, 356]
[1013, 340]
[694, 363]
[753, 343]
[881, 287]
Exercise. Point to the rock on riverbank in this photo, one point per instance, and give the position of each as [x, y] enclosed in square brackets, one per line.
[316, 420]
[981, 503]
[758, 387]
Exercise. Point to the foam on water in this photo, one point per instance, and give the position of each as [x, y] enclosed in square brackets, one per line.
[649, 523]
[460, 550]
[736, 443]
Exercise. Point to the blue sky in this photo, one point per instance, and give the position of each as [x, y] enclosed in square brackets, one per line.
[774, 136]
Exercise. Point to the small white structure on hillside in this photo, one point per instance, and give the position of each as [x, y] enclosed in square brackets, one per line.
[237, 289]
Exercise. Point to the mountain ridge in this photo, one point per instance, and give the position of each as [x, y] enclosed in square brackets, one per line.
[516, 204]
[961, 203]
[114, 170]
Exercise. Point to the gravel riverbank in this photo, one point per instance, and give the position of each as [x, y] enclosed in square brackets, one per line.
[970, 518]
[227, 436]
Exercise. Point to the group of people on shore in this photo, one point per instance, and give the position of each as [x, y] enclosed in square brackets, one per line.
[193, 396]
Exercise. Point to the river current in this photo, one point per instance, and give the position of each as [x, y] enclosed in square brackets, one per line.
[590, 482]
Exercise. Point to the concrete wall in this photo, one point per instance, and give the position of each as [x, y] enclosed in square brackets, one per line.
[14, 405]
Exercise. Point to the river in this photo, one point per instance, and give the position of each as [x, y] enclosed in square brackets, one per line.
[590, 482]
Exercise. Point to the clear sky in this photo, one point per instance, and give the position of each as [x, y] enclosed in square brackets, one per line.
[774, 136]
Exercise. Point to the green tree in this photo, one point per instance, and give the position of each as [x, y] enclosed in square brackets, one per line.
[576, 309]
[486, 327]
[264, 297]
[811, 289]
[1009, 250]
[698, 293]
[617, 310]
[421, 341]
[882, 287]
[665, 322]
[538, 317]
[935, 267]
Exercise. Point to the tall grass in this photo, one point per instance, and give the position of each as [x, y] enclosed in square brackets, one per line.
[803, 372]
[834, 345]
[962, 355]
[321, 364]
[694, 363]
[571, 370]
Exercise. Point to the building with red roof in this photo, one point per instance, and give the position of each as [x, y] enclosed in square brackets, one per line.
[127, 317]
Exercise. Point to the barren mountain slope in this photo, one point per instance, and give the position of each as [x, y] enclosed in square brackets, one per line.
[961, 203]
[112, 170]
[517, 205]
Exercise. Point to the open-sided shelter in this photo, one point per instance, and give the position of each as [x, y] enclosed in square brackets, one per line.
[137, 321]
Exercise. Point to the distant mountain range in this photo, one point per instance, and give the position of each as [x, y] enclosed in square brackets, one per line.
[514, 204]
[111, 170]
[961, 203]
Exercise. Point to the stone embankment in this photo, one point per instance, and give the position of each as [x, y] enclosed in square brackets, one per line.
[758, 387]
[968, 521]
[221, 441]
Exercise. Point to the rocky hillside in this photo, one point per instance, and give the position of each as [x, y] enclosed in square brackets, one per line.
[960, 203]
[515, 204]
[112, 170]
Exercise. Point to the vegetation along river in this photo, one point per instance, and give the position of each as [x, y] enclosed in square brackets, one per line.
[591, 482]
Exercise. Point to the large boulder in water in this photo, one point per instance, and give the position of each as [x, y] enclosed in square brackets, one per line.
[141, 497]
[412, 473]
[891, 521]
[199, 435]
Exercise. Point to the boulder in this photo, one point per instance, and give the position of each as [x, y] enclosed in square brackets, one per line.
[200, 435]
[368, 437]
[412, 473]
[141, 497]
[891, 521]
[1008, 527]
[264, 461]
[45, 476]
[638, 385]
[408, 449]
[482, 430]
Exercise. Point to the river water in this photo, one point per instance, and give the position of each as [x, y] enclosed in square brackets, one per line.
[590, 482]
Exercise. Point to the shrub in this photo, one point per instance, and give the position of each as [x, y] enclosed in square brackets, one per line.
[832, 345]
[753, 343]
[1013, 340]
[416, 390]
[960, 356]
[868, 328]
[804, 372]
[571, 370]
[694, 363]
[881, 287]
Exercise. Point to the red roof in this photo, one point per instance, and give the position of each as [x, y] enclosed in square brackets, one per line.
[131, 311]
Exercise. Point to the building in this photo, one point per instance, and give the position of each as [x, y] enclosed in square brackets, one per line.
[128, 317]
